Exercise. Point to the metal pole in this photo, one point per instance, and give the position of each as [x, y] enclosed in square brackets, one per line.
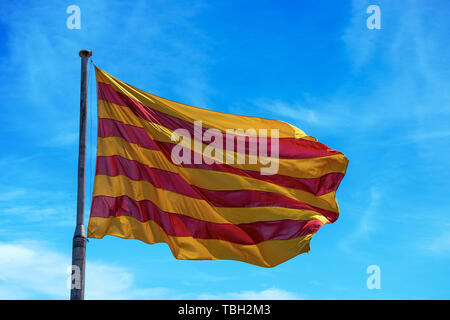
[79, 238]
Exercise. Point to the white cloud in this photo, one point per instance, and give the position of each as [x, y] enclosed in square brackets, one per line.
[439, 246]
[365, 225]
[409, 85]
[30, 270]
[293, 111]
[360, 43]
[112, 282]
[52, 215]
[11, 195]
[62, 139]
[267, 294]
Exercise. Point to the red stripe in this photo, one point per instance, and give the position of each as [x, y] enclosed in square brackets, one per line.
[137, 135]
[183, 226]
[289, 148]
[116, 165]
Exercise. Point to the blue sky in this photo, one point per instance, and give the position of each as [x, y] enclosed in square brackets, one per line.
[380, 96]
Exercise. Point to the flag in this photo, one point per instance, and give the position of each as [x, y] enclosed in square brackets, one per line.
[211, 185]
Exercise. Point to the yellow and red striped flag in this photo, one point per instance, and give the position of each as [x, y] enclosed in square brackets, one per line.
[204, 182]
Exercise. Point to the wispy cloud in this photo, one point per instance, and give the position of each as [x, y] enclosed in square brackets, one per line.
[38, 59]
[418, 138]
[362, 44]
[60, 215]
[290, 110]
[104, 281]
[267, 294]
[438, 245]
[22, 207]
[365, 225]
[62, 140]
[203, 276]
[30, 269]
[11, 194]
[310, 114]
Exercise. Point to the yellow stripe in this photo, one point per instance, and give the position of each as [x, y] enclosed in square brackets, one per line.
[173, 202]
[211, 119]
[255, 214]
[290, 167]
[208, 179]
[265, 254]
[300, 168]
[160, 133]
[109, 110]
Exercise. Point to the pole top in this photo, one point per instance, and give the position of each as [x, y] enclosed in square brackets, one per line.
[85, 53]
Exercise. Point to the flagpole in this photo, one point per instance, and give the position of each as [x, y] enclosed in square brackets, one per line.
[79, 238]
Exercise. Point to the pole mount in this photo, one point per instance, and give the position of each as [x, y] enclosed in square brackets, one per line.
[85, 53]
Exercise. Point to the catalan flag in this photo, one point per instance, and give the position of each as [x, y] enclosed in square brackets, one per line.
[198, 180]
